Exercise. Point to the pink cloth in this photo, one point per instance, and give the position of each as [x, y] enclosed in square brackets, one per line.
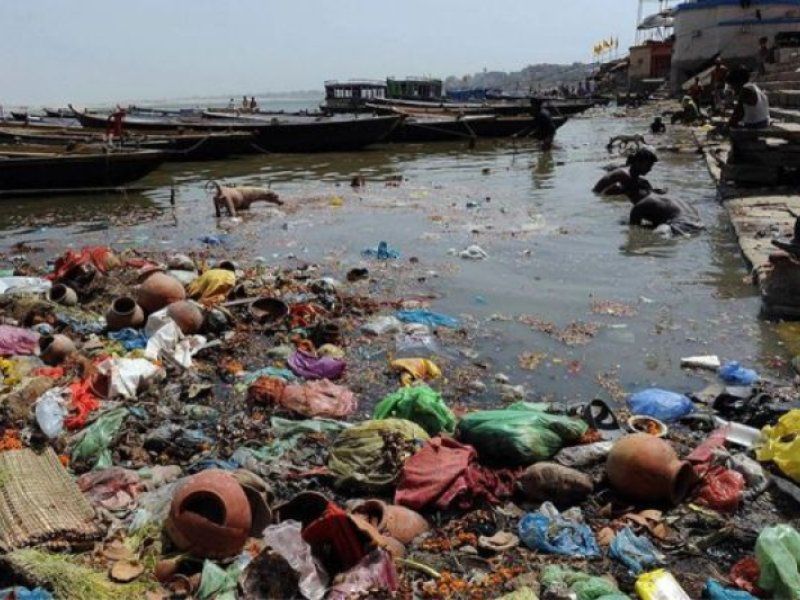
[15, 340]
[113, 489]
[445, 473]
[375, 572]
[319, 399]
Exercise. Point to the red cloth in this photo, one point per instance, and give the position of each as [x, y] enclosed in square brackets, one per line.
[721, 488]
[51, 372]
[705, 451]
[83, 402]
[744, 575]
[446, 473]
[335, 539]
[97, 256]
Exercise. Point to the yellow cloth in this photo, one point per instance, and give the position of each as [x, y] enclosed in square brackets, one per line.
[212, 287]
[11, 376]
[781, 444]
[415, 369]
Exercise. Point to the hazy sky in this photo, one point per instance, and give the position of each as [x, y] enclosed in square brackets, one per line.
[55, 51]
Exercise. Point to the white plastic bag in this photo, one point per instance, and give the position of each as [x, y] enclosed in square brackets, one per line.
[51, 412]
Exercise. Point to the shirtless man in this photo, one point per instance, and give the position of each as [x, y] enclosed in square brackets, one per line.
[240, 198]
[630, 183]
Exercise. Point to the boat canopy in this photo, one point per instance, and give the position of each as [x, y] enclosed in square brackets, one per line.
[665, 18]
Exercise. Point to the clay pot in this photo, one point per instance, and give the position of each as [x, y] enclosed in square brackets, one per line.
[210, 516]
[269, 310]
[398, 522]
[646, 468]
[55, 348]
[187, 315]
[62, 294]
[124, 312]
[157, 290]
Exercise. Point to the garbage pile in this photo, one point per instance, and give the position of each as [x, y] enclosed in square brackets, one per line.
[171, 428]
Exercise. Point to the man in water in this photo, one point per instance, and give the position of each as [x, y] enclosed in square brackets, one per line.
[657, 127]
[649, 205]
[752, 105]
[543, 124]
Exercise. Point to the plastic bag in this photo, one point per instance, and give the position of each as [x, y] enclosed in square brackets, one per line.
[170, 340]
[658, 585]
[127, 375]
[549, 531]
[93, 442]
[419, 404]
[415, 369]
[715, 591]
[382, 252]
[781, 444]
[212, 287]
[778, 556]
[735, 374]
[721, 489]
[561, 581]
[217, 583]
[426, 317]
[375, 572]
[583, 456]
[51, 412]
[662, 404]
[285, 539]
[381, 325]
[520, 434]
[635, 552]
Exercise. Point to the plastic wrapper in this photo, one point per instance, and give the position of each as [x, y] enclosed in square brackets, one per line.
[375, 572]
[581, 586]
[427, 317]
[735, 374]
[661, 404]
[382, 252]
[778, 556]
[716, 591]
[51, 412]
[127, 375]
[382, 325]
[93, 442]
[212, 287]
[217, 583]
[781, 444]
[635, 552]
[285, 539]
[320, 398]
[721, 489]
[415, 369]
[419, 404]
[549, 531]
[660, 585]
[308, 366]
[520, 434]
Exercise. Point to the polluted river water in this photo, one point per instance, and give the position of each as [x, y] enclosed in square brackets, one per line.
[560, 259]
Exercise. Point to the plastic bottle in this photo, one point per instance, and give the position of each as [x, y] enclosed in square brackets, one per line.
[660, 585]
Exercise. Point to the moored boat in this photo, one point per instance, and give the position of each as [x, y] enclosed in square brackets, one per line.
[422, 128]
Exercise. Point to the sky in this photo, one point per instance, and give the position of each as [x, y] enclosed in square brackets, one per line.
[93, 51]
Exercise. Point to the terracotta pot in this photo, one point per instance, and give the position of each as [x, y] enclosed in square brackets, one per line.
[398, 522]
[157, 290]
[269, 310]
[187, 315]
[124, 312]
[55, 348]
[646, 468]
[62, 294]
[210, 516]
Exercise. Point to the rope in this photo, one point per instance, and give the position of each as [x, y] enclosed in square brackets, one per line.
[192, 148]
[447, 131]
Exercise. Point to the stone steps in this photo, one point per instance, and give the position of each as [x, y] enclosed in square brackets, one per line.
[784, 98]
[787, 115]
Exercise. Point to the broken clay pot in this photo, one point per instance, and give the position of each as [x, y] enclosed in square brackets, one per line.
[399, 522]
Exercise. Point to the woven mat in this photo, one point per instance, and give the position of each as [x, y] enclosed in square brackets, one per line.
[40, 504]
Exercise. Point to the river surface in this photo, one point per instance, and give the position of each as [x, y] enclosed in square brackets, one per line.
[556, 253]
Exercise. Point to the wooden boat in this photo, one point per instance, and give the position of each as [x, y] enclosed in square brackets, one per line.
[51, 168]
[442, 128]
[178, 147]
[273, 132]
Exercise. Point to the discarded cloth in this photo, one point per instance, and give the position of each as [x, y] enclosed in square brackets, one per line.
[92, 444]
[99, 257]
[373, 574]
[446, 474]
[382, 252]
[114, 488]
[131, 339]
[549, 531]
[561, 582]
[781, 444]
[735, 374]
[212, 287]
[306, 365]
[419, 404]
[557, 483]
[23, 285]
[778, 556]
[126, 376]
[169, 340]
[16, 340]
[415, 369]
[320, 398]
[426, 317]
[636, 552]
[82, 402]
[661, 404]
[371, 454]
[286, 539]
[519, 435]
[715, 591]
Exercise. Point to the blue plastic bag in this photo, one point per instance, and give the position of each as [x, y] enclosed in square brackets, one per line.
[557, 535]
[715, 591]
[635, 552]
[382, 252]
[661, 404]
[426, 317]
[22, 593]
[736, 374]
[131, 339]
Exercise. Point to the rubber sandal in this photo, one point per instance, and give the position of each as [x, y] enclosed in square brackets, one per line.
[599, 416]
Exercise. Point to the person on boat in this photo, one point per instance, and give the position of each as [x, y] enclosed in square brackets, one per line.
[630, 183]
[253, 103]
[245, 103]
[752, 105]
[115, 123]
[543, 124]
[657, 127]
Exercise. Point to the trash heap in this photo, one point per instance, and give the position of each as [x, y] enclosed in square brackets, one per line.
[172, 428]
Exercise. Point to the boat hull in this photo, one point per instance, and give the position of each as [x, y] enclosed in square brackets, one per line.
[433, 130]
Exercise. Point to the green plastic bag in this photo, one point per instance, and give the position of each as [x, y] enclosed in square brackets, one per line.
[370, 455]
[523, 593]
[94, 441]
[778, 556]
[584, 586]
[419, 404]
[521, 434]
[217, 583]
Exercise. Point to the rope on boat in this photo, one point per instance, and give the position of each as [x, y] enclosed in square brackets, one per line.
[192, 148]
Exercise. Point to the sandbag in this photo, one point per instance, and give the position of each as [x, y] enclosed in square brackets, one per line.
[419, 404]
[521, 434]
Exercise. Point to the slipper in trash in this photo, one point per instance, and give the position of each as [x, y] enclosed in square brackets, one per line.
[499, 542]
[599, 416]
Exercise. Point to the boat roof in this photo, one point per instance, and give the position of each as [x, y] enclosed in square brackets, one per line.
[365, 83]
[415, 79]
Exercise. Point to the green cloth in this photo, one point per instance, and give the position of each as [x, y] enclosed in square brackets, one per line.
[419, 404]
[370, 455]
[778, 556]
[584, 586]
[94, 441]
[521, 434]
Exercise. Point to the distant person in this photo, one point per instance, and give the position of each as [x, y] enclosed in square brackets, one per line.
[245, 103]
[696, 91]
[543, 124]
[253, 103]
[719, 76]
[763, 55]
[630, 183]
[657, 127]
[689, 113]
[752, 105]
[231, 104]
